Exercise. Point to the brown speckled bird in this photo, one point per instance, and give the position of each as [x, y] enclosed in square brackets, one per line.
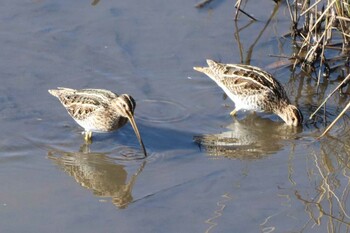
[98, 110]
[253, 89]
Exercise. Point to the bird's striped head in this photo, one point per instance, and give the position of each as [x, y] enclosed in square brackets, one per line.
[126, 103]
[291, 115]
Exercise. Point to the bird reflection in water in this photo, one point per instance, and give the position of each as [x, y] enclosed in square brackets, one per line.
[250, 138]
[98, 173]
[95, 2]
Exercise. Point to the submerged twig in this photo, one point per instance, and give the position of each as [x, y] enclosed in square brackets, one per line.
[203, 3]
[245, 13]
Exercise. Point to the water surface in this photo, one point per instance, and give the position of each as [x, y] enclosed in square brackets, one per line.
[250, 174]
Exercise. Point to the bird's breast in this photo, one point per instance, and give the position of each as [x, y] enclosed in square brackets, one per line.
[102, 122]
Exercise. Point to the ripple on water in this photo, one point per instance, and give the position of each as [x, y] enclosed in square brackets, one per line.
[127, 153]
[161, 111]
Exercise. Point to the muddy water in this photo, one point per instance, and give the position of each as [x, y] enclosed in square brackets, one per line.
[251, 174]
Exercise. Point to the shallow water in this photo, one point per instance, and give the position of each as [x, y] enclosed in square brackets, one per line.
[250, 174]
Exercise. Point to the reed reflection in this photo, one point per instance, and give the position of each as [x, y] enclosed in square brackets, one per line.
[99, 173]
[327, 205]
[250, 138]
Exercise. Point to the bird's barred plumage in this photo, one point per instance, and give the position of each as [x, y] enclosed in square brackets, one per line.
[98, 110]
[252, 88]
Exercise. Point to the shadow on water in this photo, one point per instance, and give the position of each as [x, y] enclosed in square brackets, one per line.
[95, 2]
[154, 118]
[123, 143]
[250, 138]
[99, 173]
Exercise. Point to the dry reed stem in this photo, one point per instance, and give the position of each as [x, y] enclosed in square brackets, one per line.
[320, 26]
[323, 14]
[308, 9]
[335, 120]
[343, 18]
[290, 12]
[321, 22]
[326, 99]
[237, 6]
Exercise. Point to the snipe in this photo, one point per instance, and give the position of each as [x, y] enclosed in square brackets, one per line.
[253, 89]
[98, 110]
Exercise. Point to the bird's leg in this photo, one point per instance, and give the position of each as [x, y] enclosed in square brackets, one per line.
[88, 136]
[233, 113]
[85, 148]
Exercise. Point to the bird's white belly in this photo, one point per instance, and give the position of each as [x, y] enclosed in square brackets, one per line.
[249, 103]
[89, 125]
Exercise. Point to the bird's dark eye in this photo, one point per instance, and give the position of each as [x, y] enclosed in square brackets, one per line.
[124, 105]
[293, 119]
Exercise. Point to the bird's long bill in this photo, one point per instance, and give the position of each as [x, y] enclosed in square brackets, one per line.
[133, 124]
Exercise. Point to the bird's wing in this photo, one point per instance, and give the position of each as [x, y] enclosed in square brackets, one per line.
[246, 77]
[80, 104]
[101, 93]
